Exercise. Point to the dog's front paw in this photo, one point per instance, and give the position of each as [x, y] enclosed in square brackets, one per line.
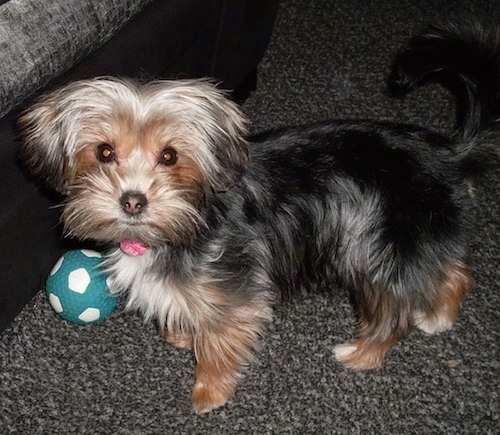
[210, 395]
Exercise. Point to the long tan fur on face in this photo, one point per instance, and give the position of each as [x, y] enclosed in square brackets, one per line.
[65, 129]
[61, 124]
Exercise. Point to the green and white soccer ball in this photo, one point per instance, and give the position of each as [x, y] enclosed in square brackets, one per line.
[78, 290]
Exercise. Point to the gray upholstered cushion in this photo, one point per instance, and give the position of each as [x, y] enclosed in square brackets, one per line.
[41, 39]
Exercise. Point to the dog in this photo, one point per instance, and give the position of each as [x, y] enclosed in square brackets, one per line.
[206, 229]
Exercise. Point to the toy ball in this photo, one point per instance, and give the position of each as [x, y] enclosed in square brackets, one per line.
[77, 288]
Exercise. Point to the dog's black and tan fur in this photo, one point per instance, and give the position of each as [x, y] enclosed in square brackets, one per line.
[229, 227]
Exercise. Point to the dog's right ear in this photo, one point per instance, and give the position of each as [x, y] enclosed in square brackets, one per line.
[43, 137]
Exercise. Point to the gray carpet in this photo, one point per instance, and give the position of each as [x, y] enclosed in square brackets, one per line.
[326, 59]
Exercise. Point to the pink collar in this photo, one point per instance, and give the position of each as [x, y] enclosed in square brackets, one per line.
[133, 247]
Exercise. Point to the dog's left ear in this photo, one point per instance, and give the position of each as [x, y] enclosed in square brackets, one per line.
[220, 128]
[230, 145]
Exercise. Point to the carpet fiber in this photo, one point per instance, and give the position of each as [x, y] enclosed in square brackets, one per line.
[327, 59]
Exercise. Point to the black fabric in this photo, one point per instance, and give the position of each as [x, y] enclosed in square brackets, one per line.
[232, 52]
[26, 220]
[154, 40]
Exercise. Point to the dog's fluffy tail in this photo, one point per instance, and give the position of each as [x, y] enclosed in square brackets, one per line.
[464, 58]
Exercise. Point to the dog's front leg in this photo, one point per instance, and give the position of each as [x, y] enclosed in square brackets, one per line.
[221, 351]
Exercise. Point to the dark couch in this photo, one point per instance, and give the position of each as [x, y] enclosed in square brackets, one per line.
[144, 39]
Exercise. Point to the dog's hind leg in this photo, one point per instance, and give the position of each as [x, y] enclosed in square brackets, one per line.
[387, 315]
[442, 313]
[385, 318]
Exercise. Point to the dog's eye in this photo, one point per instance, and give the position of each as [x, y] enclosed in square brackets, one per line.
[105, 153]
[168, 157]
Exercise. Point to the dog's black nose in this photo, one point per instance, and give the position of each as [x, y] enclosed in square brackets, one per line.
[133, 203]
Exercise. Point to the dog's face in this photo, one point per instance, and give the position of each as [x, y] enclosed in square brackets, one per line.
[136, 162]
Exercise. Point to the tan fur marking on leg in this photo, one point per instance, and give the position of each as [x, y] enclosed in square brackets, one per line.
[222, 328]
[363, 353]
[384, 318]
[448, 302]
[220, 354]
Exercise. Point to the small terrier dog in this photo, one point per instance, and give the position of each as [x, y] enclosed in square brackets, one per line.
[206, 230]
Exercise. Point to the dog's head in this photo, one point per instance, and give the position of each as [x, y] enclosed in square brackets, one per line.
[135, 161]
